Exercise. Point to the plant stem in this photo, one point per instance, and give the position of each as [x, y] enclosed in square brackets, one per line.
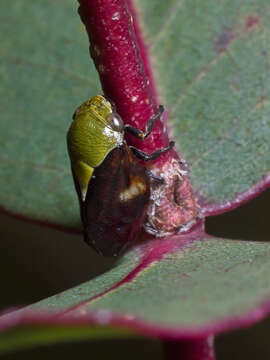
[116, 54]
[121, 67]
[202, 349]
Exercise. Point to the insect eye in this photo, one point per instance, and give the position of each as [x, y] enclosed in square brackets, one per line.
[115, 122]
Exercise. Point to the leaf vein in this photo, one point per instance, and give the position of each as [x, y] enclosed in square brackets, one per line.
[172, 13]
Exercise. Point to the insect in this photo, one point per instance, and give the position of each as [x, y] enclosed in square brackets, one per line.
[113, 187]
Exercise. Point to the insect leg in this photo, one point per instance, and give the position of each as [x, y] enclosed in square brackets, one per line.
[146, 157]
[143, 135]
[154, 177]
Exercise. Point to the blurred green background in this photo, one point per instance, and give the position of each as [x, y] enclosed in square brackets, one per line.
[37, 262]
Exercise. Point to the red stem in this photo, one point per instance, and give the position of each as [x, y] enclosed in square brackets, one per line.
[202, 349]
[117, 56]
[121, 64]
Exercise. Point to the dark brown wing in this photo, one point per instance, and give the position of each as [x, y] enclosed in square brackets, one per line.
[114, 207]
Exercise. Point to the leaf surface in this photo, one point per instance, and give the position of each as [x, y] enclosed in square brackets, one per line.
[211, 67]
[45, 74]
[168, 289]
[211, 60]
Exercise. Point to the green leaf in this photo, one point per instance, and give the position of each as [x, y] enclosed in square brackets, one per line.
[210, 62]
[184, 291]
[211, 59]
[188, 287]
[45, 74]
